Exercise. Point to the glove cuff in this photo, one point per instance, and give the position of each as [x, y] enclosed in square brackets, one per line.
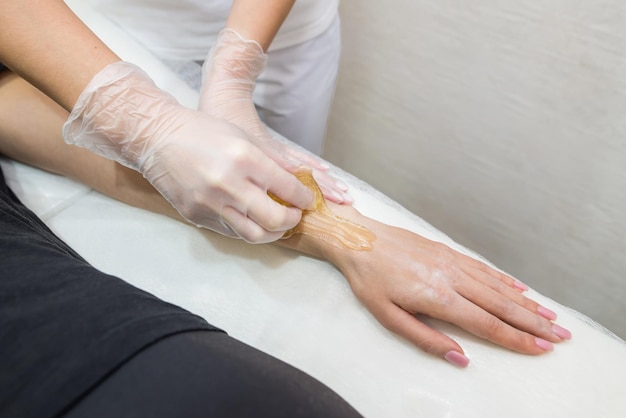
[234, 58]
[117, 113]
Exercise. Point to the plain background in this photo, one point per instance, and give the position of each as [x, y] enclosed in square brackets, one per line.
[502, 123]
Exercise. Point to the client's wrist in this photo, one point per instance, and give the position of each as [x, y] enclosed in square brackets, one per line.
[329, 249]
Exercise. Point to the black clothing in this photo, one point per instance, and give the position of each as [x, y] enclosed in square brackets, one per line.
[63, 324]
[209, 374]
[78, 341]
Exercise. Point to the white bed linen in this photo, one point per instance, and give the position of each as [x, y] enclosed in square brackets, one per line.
[301, 310]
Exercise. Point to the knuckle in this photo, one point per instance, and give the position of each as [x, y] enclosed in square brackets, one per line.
[443, 254]
[252, 235]
[387, 318]
[388, 321]
[491, 327]
[443, 297]
[428, 345]
[277, 221]
[525, 342]
[212, 180]
[279, 218]
[445, 266]
[486, 269]
[544, 327]
[505, 309]
[238, 151]
[531, 306]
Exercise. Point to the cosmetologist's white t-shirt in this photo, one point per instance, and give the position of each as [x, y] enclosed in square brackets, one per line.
[186, 29]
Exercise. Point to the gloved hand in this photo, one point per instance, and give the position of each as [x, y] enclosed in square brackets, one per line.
[204, 166]
[228, 79]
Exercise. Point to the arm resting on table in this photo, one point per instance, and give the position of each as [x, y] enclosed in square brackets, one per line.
[404, 274]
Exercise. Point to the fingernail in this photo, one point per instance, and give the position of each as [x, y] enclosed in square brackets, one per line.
[339, 198]
[341, 185]
[347, 199]
[546, 313]
[519, 285]
[323, 165]
[456, 358]
[561, 332]
[543, 344]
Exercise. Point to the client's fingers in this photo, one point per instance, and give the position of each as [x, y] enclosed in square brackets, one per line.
[482, 323]
[537, 319]
[509, 311]
[333, 190]
[401, 322]
[470, 262]
[308, 160]
[505, 290]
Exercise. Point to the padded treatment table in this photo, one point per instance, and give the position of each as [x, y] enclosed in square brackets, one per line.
[301, 309]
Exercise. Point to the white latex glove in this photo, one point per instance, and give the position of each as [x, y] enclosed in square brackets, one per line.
[204, 166]
[228, 79]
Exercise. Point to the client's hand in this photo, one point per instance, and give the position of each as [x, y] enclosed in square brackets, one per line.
[406, 274]
[229, 77]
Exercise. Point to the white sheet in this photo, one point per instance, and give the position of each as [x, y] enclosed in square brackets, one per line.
[301, 309]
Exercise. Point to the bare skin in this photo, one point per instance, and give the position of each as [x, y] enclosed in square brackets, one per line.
[258, 20]
[402, 275]
[45, 43]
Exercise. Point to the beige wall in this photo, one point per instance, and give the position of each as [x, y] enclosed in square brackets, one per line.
[503, 123]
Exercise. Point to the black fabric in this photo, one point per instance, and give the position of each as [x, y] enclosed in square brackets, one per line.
[209, 374]
[76, 342]
[64, 326]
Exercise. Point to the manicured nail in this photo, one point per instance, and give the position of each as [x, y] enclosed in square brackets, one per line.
[339, 197]
[347, 199]
[561, 332]
[543, 344]
[519, 285]
[456, 358]
[323, 165]
[341, 185]
[546, 313]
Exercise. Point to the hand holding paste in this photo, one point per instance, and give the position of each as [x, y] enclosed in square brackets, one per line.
[321, 223]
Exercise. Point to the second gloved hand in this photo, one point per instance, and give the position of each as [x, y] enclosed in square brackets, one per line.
[204, 166]
[228, 79]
